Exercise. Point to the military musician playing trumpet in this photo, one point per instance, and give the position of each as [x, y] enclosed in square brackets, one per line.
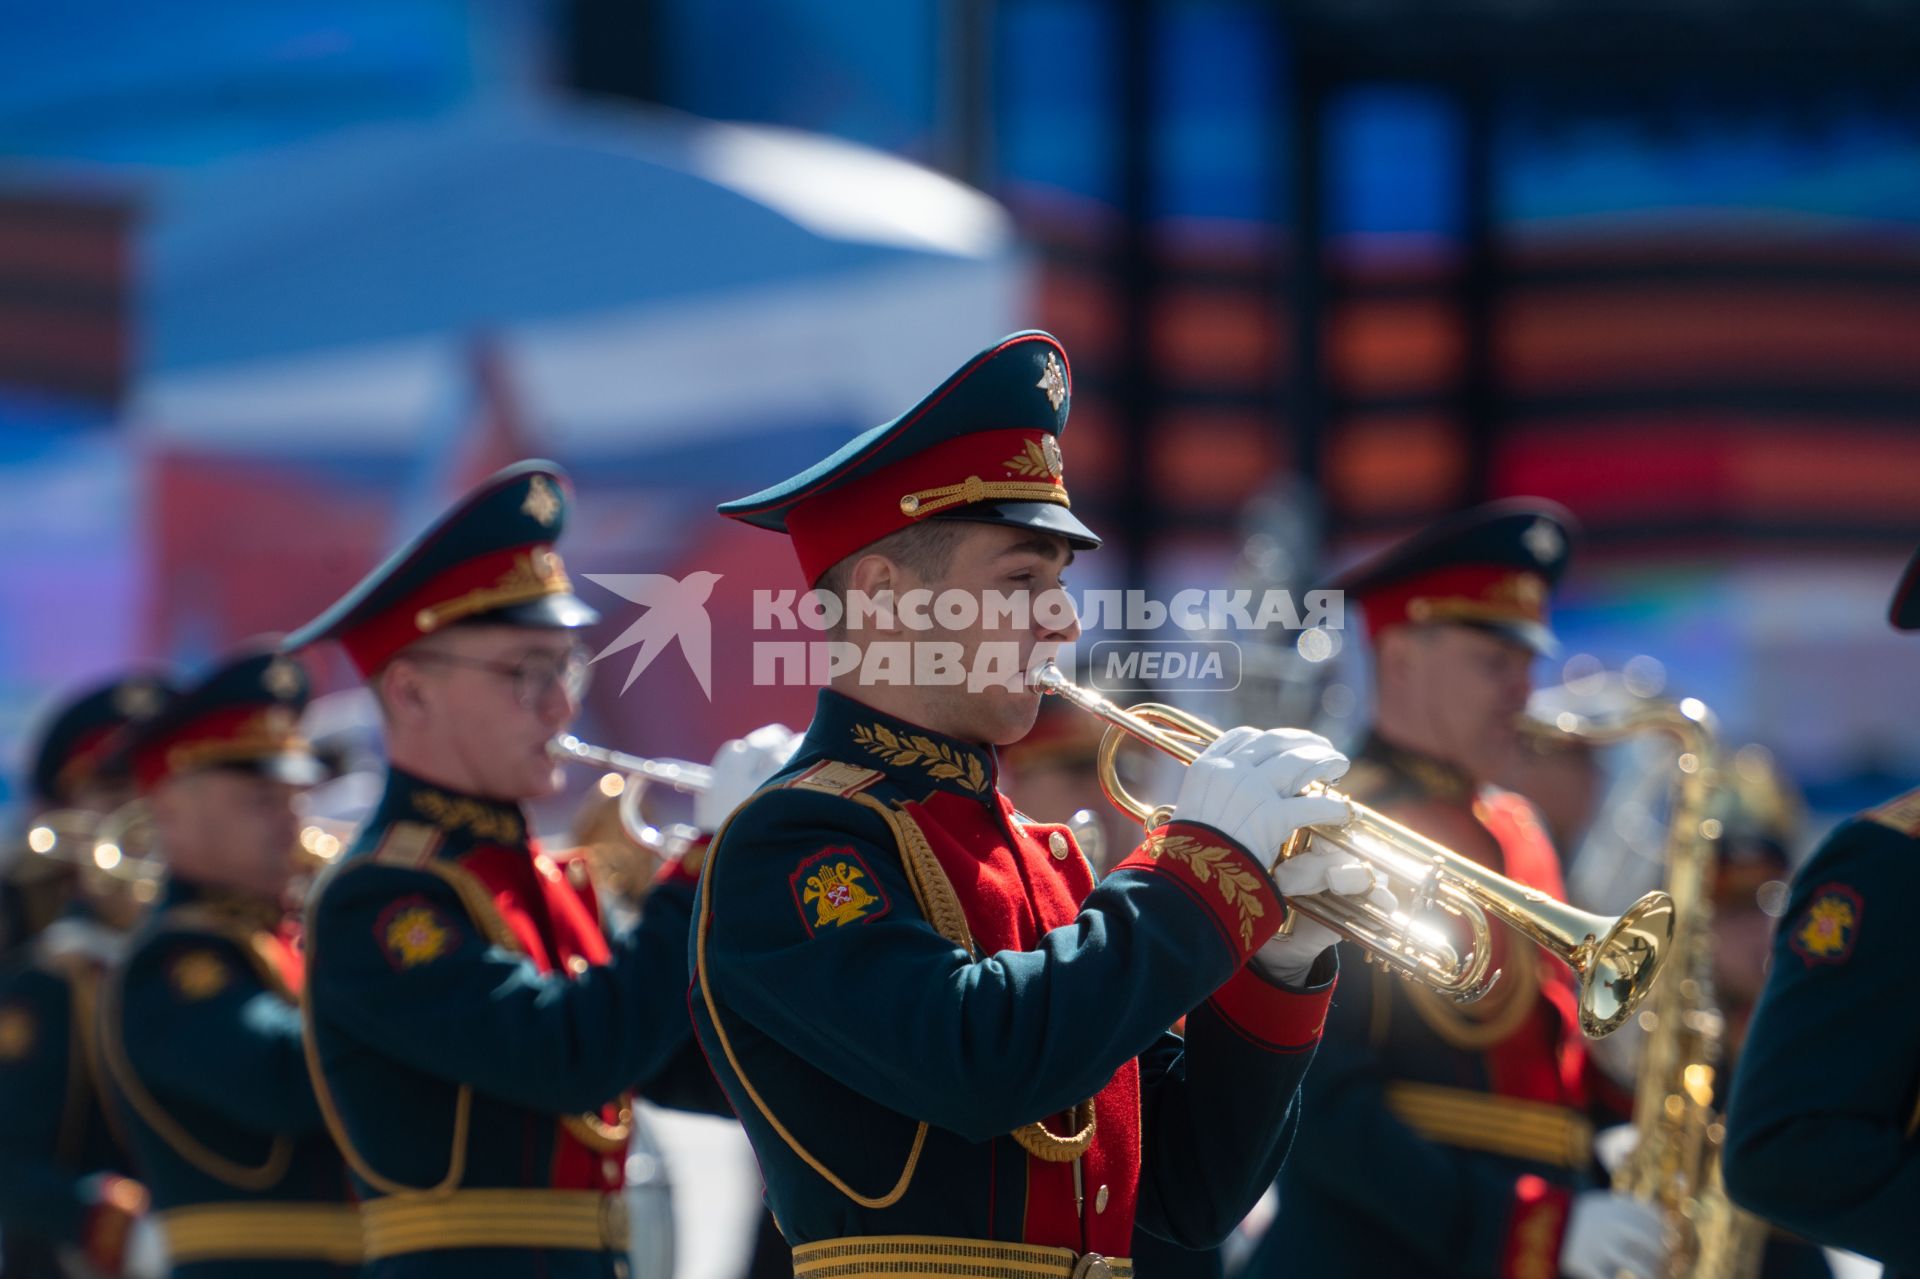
[200, 1025]
[1456, 1139]
[476, 1035]
[948, 1045]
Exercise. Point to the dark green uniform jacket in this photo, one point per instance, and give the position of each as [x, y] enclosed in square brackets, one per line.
[935, 1025]
[478, 1036]
[200, 1031]
[57, 1142]
[1820, 1132]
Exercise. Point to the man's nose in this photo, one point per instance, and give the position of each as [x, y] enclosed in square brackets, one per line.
[1058, 619]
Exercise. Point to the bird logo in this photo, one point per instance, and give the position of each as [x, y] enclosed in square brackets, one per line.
[676, 609]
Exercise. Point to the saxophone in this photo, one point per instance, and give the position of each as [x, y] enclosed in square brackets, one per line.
[1675, 1166]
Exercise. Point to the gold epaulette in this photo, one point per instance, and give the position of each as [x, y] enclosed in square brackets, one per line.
[830, 777]
[1902, 814]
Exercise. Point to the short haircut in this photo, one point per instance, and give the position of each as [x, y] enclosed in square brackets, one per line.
[925, 549]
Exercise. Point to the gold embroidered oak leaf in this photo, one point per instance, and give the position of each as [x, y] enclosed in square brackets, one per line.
[457, 812]
[1031, 460]
[943, 762]
[1213, 864]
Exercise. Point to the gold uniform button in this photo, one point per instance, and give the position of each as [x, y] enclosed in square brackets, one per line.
[577, 873]
[577, 965]
[544, 864]
[1057, 845]
[1100, 1200]
[609, 1169]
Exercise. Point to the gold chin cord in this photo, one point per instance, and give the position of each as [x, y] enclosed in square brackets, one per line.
[1616, 960]
[1675, 1164]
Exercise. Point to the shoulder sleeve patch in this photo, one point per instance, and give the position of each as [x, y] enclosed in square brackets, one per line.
[831, 777]
[1828, 927]
[407, 844]
[1903, 814]
[835, 887]
[414, 931]
[199, 974]
[18, 1032]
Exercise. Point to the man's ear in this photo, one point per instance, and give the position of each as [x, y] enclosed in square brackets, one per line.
[1396, 660]
[398, 690]
[876, 581]
[164, 806]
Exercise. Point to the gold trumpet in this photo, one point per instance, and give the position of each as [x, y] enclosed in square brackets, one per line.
[1616, 960]
[635, 775]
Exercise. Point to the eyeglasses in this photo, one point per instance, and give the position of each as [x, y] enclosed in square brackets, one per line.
[534, 676]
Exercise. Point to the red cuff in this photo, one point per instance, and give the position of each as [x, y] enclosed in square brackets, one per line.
[1276, 1019]
[685, 869]
[117, 1203]
[1534, 1230]
[1221, 876]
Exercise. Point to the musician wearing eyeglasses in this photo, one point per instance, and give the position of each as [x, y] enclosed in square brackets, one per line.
[948, 1045]
[1453, 1139]
[477, 1035]
[66, 1173]
[1820, 1129]
[200, 1034]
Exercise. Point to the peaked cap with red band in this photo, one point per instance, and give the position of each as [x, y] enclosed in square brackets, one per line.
[1491, 567]
[244, 715]
[489, 559]
[983, 447]
[1904, 612]
[82, 737]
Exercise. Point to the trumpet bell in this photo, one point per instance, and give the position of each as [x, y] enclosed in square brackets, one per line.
[1623, 964]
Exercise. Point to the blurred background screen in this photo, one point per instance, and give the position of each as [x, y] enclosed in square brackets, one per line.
[277, 281]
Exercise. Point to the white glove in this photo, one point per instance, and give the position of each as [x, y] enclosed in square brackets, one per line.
[1287, 958]
[1246, 785]
[742, 767]
[146, 1256]
[1614, 1145]
[1609, 1235]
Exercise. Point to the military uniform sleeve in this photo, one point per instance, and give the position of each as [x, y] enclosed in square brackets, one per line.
[1462, 1214]
[37, 1197]
[1219, 1109]
[1818, 1134]
[811, 931]
[398, 964]
[197, 1023]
